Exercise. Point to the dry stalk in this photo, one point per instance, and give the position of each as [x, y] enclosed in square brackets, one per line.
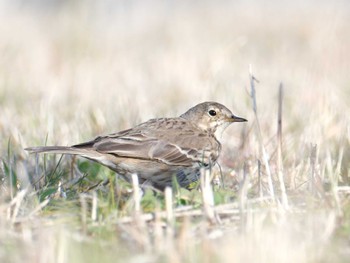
[315, 182]
[261, 193]
[208, 197]
[261, 144]
[312, 175]
[158, 230]
[39, 208]
[279, 149]
[140, 230]
[136, 193]
[169, 211]
[9, 154]
[16, 202]
[334, 178]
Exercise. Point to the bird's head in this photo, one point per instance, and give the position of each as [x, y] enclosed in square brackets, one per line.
[211, 116]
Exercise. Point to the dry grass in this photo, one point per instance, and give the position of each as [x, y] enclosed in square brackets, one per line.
[71, 71]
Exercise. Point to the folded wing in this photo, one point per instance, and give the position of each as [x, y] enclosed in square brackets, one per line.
[148, 143]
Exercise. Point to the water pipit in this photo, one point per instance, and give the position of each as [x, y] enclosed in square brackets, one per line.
[159, 149]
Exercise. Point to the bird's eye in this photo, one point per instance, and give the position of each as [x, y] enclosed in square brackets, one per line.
[212, 112]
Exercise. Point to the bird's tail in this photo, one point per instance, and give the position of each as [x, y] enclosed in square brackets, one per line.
[86, 153]
[58, 150]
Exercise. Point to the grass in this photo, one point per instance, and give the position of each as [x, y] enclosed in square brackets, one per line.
[72, 71]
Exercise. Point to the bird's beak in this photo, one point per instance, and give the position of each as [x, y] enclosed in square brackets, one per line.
[237, 119]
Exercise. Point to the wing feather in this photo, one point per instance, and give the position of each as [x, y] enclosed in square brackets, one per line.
[149, 149]
[148, 141]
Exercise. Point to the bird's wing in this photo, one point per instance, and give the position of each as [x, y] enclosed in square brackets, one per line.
[149, 141]
[140, 146]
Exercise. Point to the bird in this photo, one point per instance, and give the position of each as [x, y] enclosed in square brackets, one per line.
[159, 149]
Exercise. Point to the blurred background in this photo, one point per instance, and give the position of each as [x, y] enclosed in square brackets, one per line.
[70, 70]
[65, 64]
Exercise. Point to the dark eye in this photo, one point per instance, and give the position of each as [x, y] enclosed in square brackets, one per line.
[212, 112]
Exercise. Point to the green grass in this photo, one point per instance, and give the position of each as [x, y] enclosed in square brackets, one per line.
[73, 71]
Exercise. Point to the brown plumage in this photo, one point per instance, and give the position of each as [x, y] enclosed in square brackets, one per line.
[159, 149]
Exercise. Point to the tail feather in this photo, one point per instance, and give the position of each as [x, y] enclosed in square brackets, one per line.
[57, 150]
[86, 153]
